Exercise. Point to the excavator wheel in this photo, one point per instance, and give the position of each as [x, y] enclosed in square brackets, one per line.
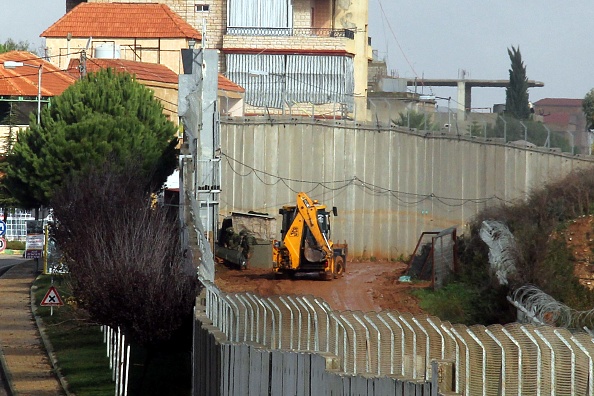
[327, 276]
[338, 267]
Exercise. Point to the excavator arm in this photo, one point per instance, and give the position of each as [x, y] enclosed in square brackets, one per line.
[309, 212]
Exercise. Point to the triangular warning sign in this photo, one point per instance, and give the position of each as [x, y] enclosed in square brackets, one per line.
[52, 298]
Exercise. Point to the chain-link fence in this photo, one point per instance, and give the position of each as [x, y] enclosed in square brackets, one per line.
[434, 257]
[488, 126]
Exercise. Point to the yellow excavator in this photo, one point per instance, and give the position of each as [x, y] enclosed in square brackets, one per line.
[305, 244]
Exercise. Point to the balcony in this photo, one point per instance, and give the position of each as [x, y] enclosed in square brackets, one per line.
[302, 40]
[291, 32]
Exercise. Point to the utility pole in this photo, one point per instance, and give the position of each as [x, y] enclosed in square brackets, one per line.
[83, 64]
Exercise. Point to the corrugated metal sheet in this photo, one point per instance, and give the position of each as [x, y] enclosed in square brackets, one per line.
[271, 80]
[261, 75]
[260, 13]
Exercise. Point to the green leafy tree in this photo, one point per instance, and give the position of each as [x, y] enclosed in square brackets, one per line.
[11, 45]
[588, 107]
[516, 94]
[413, 119]
[106, 116]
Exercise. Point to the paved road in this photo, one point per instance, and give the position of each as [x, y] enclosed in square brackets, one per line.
[7, 261]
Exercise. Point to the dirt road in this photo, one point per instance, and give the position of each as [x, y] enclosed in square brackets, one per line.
[366, 286]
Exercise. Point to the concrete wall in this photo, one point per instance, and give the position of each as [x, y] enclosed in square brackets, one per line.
[389, 185]
[8, 131]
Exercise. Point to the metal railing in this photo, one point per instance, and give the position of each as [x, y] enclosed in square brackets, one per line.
[118, 352]
[481, 126]
[291, 32]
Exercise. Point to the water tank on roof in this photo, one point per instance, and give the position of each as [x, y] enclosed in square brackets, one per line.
[107, 51]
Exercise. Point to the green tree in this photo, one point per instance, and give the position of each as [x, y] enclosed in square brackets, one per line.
[516, 94]
[106, 116]
[588, 107]
[413, 119]
[11, 45]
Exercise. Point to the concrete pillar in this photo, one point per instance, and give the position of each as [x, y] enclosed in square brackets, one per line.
[442, 376]
[462, 106]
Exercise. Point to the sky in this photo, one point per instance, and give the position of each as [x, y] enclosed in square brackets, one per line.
[437, 39]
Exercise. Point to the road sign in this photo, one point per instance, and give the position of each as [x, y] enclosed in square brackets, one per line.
[52, 298]
[35, 241]
[2, 227]
[2, 244]
[33, 254]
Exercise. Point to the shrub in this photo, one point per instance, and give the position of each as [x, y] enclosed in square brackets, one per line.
[15, 245]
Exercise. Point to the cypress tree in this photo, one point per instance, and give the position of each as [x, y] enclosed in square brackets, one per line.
[516, 94]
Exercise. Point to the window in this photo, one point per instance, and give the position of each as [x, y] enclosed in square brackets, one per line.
[260, 14]
[202, 7]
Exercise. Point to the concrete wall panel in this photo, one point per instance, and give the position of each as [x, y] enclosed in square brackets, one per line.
[389, 185]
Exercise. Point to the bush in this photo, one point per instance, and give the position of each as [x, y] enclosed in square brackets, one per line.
[541, 259]
[15, 245]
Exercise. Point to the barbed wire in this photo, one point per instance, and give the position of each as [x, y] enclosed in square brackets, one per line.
[544, 309]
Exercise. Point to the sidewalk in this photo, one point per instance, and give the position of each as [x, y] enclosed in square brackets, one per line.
[22, 353]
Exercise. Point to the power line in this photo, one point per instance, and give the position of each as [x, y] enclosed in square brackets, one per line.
[405, 198]
[399, 46]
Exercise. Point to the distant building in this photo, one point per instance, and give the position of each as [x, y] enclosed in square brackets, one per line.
[164, 83]
[289, 55]
[19, 89]
[565, 115]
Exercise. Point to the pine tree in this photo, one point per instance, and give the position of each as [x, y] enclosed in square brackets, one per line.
[106, 116]
[516, 94]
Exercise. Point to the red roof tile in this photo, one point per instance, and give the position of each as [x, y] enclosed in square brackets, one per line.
[145, 71]
[142, 70]
[22, 81]
[227, 85]
[557, 118]
[122, 20]
[560, 102]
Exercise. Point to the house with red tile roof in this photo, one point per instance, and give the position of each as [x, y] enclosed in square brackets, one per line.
[566, 116]
[19, 88]
[142, 32]
[164, 83]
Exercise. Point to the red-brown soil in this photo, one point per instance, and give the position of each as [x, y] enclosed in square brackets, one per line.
[579, 237]
[366, 286]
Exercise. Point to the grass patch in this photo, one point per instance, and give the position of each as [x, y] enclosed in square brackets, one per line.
[78, 344]
[81, 353]
[451, 303]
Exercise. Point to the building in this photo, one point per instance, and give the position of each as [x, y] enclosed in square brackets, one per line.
[164, 83]
[149, 33]
[289, 55]
[566, 116]
[19, 90]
